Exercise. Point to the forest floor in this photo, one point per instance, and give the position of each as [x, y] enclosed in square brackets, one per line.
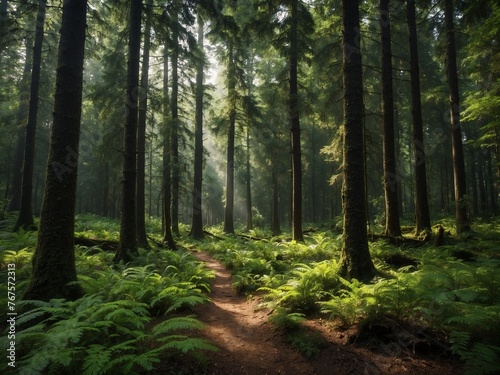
[249, 344]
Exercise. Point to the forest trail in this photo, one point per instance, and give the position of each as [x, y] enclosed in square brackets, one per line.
[250, 346]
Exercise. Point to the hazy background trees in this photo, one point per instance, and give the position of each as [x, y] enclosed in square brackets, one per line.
[248, 84]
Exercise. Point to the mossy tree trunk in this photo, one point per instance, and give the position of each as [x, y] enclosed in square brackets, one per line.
[54, 271]
[355, 259]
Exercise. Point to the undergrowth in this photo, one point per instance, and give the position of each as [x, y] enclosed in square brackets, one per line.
[454, 288]
[132, 316]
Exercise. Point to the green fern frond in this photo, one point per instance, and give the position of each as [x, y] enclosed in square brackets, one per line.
[185, 344]
[175, 324]
[96, 360]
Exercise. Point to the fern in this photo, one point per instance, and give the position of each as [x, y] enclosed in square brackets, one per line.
[90, 336]
[285, 320]
[479, 358]
[352, 304]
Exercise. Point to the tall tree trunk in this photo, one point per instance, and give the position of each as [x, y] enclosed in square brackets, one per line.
[249, 185]
[355, 259]
[461, 209]
[127, 247]
[491, 183]
[105, 191]
[473, 176]
[397, 126]
[297, 234]
[421, 200]
[174, 140]
[482, 190]
[25, 218]
[22, 112]
[312, 168]
[142, 240]
[392, 226]
[197, 219]
[54, 271]
[275, 211]
[167, 183]
[229, 207]
[4, 26]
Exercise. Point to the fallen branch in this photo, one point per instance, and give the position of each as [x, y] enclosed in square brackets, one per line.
[106, 245]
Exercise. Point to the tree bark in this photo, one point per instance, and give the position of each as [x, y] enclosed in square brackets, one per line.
[128, 233]
[491, 183]
[229, 207]
[355, 259]
[23, 110]
[197, 218]
[473, 176]
[422, 214]
[168, 238]
[25, 218]
[275, 211]
[392, 226]
[461, 209]
[249, 185]
[54, 259]
[4, 26]
[482, 189]
[142, 240]
[175, 123]
[297, 234]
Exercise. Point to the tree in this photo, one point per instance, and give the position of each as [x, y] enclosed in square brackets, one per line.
[127, 247]
[54, 271]
[25, 218]
[297, 234]
[461, 208]
[17, 169]
[423, 220]
[197, 215]
[290, 24]
[166, 182]
[392, 227]
[175, 121]
[142, 240]
[355, 259]
[231, 88]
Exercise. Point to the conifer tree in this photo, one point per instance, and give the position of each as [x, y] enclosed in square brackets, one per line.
[54, 270]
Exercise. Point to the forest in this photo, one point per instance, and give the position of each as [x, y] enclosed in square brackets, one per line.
[250, 187]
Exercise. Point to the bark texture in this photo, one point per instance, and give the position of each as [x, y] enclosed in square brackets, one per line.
[142, 240]
[461, 206]
[197, 218]
[392, 226]
[355, 259]
[128, 237]
[54, 259]
[422, 215]
[25, 218]
[297, 234]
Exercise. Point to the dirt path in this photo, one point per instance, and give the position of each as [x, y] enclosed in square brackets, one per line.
[249, 346]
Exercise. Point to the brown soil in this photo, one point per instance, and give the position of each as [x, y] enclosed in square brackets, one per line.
[249, 345]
